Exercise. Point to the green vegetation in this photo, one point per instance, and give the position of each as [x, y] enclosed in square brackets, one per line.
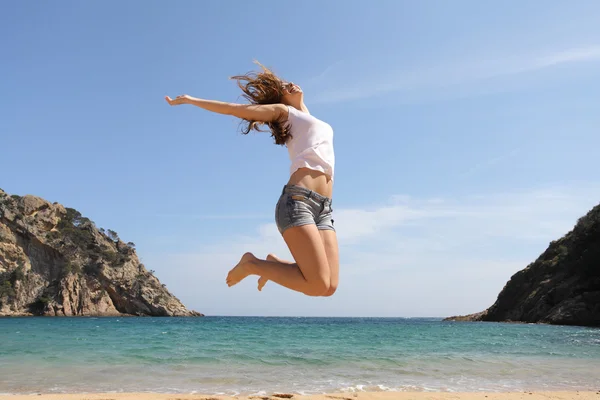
[81, 249]
[74, 218]
[77, 233]
[92, 269]
[6, 289]
[563, 250]
[52, 235]
[584, 221]
[18, 274]
[113, 235]
[8, 281]
[75, 227]
[39, 306]
[5, 199]
[159, 298]
[70, 268]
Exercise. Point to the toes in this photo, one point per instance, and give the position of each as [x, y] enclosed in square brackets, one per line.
[261, 283]
[229, 280]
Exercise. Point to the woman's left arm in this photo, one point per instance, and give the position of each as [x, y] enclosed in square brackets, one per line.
[250, 112]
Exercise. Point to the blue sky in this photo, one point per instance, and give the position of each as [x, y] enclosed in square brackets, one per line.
[466, 138]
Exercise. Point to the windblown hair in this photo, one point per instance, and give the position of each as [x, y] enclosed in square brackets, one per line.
[264, 88]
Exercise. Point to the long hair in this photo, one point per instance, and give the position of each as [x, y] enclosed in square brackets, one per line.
[264, 88]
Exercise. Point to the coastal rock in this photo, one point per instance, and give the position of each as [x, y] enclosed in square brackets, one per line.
[561, 287]
[55, 262]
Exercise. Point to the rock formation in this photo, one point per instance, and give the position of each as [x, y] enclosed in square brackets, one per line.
[561, 287]
[55, 262]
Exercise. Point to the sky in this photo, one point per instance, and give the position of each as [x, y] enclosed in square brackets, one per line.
[466, 138]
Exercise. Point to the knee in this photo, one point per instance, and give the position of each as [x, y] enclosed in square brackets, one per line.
[318, 287]
[331, 290]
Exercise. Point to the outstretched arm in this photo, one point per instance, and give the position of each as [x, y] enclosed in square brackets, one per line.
[250, 112]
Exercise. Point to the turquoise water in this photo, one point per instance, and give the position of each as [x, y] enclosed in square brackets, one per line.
[238, 355]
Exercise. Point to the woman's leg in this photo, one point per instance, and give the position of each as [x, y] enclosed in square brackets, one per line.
[329, 239]
[309, 275]
[262, 281]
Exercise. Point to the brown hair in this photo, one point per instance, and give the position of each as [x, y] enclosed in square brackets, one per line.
[264, 88]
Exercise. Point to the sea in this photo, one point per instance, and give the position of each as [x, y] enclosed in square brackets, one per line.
[261, 355]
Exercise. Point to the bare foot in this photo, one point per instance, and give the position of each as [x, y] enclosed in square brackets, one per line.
[240, 271]
[271, 257]
[263, 281]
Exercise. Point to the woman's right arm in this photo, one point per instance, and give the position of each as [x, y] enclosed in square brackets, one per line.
[249, 112]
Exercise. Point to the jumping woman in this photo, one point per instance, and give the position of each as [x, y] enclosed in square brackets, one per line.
[303, 213]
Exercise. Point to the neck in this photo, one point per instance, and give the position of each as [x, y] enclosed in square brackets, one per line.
[300, 106]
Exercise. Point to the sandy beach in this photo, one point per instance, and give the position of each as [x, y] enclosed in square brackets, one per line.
[566, 395]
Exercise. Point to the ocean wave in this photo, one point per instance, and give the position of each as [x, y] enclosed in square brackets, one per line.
[248, 355]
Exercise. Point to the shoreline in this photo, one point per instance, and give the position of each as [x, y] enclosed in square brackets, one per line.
[530, 395]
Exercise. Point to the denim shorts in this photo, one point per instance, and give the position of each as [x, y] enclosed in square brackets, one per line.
[300, 206]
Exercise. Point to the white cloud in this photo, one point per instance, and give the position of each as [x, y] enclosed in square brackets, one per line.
[408, 257]
[448, 74]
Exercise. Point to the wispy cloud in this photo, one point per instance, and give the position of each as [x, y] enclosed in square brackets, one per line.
[326, 71]
[490, 162]
[408, 256]
[448, 74]
[579, 54]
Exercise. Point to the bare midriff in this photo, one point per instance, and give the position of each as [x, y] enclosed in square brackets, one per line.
[313, 180]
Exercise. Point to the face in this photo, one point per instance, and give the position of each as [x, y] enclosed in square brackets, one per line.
[292, 93]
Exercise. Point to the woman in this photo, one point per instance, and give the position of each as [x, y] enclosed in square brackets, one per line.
[303, 213]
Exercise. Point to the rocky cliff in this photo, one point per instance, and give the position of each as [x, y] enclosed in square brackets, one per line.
[561, 287]
[55, 262]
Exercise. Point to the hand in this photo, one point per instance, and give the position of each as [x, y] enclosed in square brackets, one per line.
[183, 99]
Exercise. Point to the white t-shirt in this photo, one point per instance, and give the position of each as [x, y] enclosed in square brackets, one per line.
[311, 145]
